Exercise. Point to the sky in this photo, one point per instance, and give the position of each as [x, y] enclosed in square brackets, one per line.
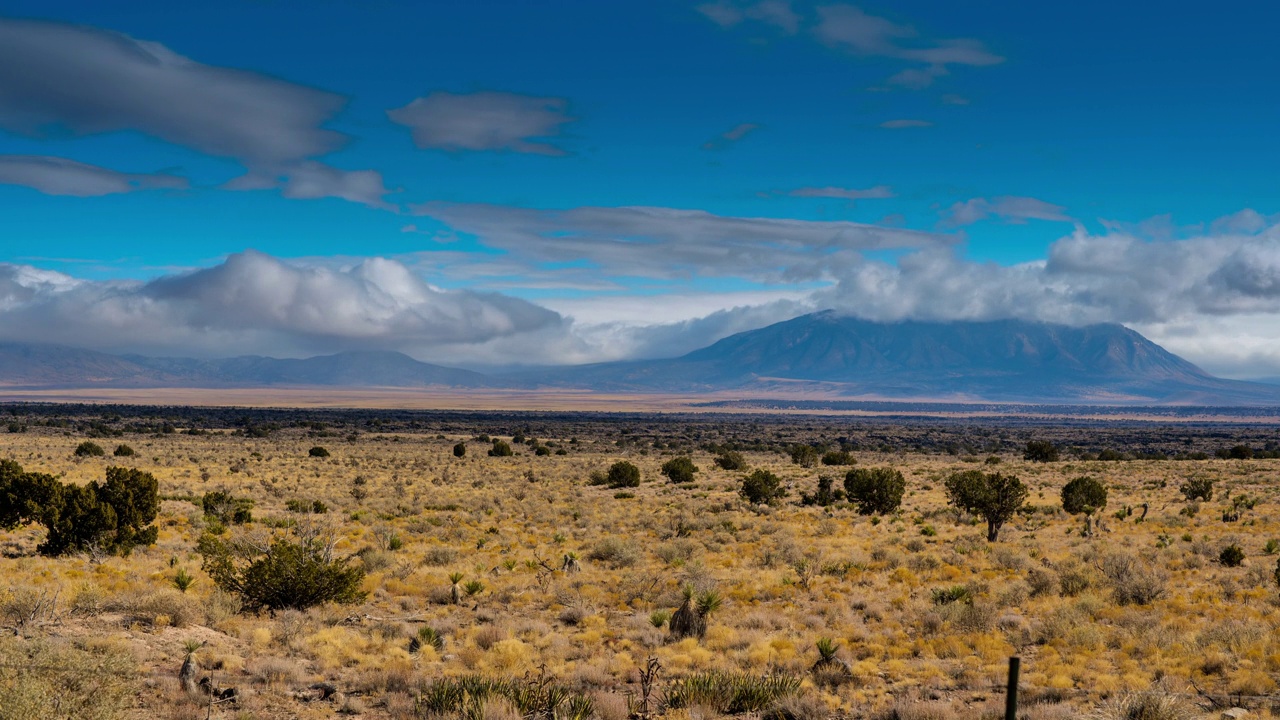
[507, 183]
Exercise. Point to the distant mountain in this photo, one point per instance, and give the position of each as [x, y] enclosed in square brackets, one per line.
[31, 366]
[827, 353]
[1010, 360]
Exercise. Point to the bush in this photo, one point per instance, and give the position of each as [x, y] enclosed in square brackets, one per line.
[839, 457]
[124, 451]
[823, 496]
[1040, 451]
[500, 449]
[460, 450]
[622, 474]
[318, 451]
[679, 470]
[61, 680]
[995, 497]
[1197, 488]
[731, 461]
[762, 488]
[1083, 495]
[287, 574]
[875, 491]
[88, 448]
[227, 509]
[1133, 581]
[1231, 556]
[804, 455]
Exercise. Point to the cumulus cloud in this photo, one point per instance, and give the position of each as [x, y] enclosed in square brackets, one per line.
[671, 243]
[879, 192]
[1011, 209]
[256, 303]
[58, 79]
[60, 176]
[730, 136]
[485, 121]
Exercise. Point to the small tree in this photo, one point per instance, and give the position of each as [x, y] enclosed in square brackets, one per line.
[804, 455]
[679, 470]
[731, 460]
[1197, 488]
[460, 450]
[762, 488]
[88, 448]
[123, 451]
[1040, 451]
[286, 573]
[1084, 495]
[226, 508]
[995, 497]
[500, 449]
[876, 491]
[839, 457]
[622, 474]
[318, 452]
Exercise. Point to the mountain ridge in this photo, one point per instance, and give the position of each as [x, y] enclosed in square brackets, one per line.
[823, 352]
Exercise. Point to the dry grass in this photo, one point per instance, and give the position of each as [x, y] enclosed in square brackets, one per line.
[1093, 618]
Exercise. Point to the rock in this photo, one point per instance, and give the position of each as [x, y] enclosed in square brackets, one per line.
[1234, 713]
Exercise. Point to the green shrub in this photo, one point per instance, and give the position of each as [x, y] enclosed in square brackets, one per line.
[124, 451]
[295, 574]
[803, 455]
[1083, 495]
[1040, 451]
[460, 450]
[823, 496]
[679, 470]
[113, 516]
[762, 488]
[730, 693]
[622, 474]
[839, 457]
[500, 449]
[318, 451]
[876, 491]
[88, 448]
[1197, 488]
[731, 461]
[1231, 556]
[227, 509]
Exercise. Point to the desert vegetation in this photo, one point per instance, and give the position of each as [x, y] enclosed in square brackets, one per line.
[632, 566]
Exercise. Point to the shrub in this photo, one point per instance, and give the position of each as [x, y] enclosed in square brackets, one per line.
[615, 551]
[622, 474]
[227, 509]
[113, 516]
[1197, 488]
[479, 696]
[318, 451]
[500, 449]
[876, 491]
[460, 450]
[995, 497]
[1083, 495]
[1133, 581]
[1231, 556]
[839, 457]
[679, 470]
[823, 496]
[88, 448]
[59, 680]
[731, 461]
[1040, 451]
[762, 488]
[731, 694]
[124, 451]
[804, 455]
[295, 574]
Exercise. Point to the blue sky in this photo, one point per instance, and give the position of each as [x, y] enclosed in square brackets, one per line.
[786, 155]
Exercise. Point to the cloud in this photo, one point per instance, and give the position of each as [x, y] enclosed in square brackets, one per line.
[60, 80]
[672, 243]
[731, 136]
[485, 121]
[256, 303]
[777, 13]
[903, 124]
[872, 193]
[1011, 209]
[60, 176]
[850, 28]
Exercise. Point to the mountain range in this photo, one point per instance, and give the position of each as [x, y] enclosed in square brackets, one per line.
[1004, 360]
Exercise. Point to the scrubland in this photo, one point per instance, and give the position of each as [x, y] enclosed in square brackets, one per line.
[922, 612]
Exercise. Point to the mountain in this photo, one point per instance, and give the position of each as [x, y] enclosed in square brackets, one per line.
[34, 366]
[1010, 360]
[827, 353]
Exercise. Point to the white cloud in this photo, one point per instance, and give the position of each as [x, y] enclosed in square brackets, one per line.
[485, 121]
[59, 176]
[730, 136]
[777, 13]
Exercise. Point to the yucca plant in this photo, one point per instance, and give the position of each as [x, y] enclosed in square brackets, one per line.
[427, 637]
[190, 666]
[455, 590]
[473, 588]
[183, 580]
[659, 618]
[690, 619]
[826, 650]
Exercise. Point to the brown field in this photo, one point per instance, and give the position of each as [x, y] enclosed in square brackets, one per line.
[1141, 605]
